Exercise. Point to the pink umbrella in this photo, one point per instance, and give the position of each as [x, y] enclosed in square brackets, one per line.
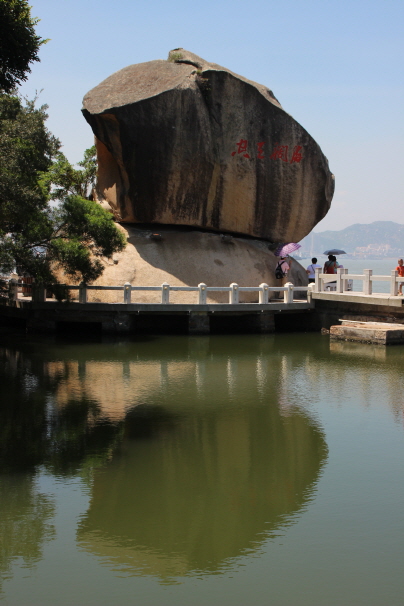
[286, 249]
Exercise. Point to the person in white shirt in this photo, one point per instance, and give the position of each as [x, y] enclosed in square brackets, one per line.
[310, 271]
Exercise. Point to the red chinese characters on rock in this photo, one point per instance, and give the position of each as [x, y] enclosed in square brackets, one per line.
[260, 154]
[296, 154]
[280, 152]
[242, 147]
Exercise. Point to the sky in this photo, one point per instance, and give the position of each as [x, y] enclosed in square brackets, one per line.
[336, 67]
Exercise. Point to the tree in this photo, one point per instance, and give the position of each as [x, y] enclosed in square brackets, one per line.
[34, 236]
[62, 179]
[82, 230]
[26, 149]
[19, 44]
[82, 233]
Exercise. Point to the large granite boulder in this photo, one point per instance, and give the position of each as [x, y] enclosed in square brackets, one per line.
[187, 142]
[186, 257]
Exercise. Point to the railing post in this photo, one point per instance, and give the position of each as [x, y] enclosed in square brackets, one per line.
[344, 271]
[233, 294]
[13, 289]
[288, 293]
[310, 289]
[203, 293]
[317, 280]
[127, 292]
[263, 294]
[340, 272]
[165, 293]
[393, 283]
[367, 282]
[83, 292]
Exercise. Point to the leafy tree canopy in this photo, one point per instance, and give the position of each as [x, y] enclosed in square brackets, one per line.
[37, 237]
[19, 44]
[26, 148]
[62, 179]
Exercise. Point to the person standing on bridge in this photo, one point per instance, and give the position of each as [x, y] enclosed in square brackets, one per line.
[281, 271]
[400, 271]
[311, 270]
[330, 266]
[282, 268]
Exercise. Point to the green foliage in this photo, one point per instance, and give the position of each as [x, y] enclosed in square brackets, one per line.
[26, 147]
[84, 232]
[173, 57]
[36, 237]
[62, 179]
[19, 44]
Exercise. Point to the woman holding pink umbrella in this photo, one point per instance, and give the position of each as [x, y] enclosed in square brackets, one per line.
[283, 266]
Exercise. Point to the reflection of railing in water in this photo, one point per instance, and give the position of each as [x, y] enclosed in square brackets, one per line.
[234, 290]
[340, 281]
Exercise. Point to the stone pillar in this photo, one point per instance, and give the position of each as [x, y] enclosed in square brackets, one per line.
[367, 282]
[288, 294]
[393, 283]
[263, 294]
[317, 283]
[345, 282]
[127, 293]
[340, 280]
[202, 293]
[233, 294]
[198, 323]
[165, 293]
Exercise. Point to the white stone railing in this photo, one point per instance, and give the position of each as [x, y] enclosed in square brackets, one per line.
[342, 278]
[202, 290]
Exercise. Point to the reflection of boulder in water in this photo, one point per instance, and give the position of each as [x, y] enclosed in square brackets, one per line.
[203, 490]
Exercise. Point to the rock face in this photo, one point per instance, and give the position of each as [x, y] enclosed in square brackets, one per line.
[186, 142]
[185, 257]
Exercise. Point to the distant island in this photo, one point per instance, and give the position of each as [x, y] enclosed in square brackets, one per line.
[376, 240]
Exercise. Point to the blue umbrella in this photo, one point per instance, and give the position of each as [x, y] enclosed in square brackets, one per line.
[286, 249]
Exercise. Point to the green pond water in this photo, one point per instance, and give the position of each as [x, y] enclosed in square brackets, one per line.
[222, 470]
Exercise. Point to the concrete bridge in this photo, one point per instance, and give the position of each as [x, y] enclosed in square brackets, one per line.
[334, 299]
[196, 317]
[287, 307]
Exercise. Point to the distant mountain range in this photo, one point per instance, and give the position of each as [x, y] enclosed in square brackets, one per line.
[362, 240]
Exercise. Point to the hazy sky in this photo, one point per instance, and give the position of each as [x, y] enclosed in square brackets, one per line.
[336, 67]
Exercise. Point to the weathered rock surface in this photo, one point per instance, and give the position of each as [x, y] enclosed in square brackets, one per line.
[187, 258]
[186, 142]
